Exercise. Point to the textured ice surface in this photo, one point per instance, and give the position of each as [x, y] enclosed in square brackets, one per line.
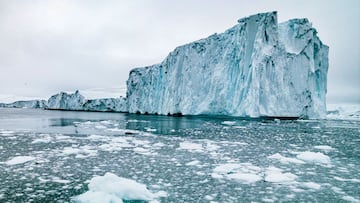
[111, 188]
[256, 68]
[26, 104]
[65, 101]
[316, 157]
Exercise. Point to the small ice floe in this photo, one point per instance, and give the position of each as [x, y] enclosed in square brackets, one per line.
[314, 157]
[19, 160]
[193, 163]
[111, 188]
[243, 172]
[80, 152]
[150, 129]
[43, 138]
[312, 185]
[276, 175]
[350, 199]
[228, 122]
[324, 147]
[285, 160]
[190, 146]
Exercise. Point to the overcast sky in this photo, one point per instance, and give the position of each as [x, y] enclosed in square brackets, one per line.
[49, 46]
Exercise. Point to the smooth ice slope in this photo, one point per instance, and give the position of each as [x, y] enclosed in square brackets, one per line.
[256, 68]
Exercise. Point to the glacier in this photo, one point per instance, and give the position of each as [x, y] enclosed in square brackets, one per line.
[257, 68]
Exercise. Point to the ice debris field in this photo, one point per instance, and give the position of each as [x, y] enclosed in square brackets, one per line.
[170, 159]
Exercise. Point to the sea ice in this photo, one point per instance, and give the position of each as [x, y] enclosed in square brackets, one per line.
[283, 159]
[275, 175]
[315, 157]
[242, 172]
[19, 160]
[111, 188]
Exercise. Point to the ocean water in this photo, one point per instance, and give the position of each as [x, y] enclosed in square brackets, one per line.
[50, 156]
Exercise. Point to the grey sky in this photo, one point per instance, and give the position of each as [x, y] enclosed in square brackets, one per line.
[49, 46]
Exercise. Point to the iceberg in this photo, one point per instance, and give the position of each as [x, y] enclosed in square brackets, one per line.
[256, 68]
[106, 105]
[112, 188]
[32, 104]
[76, 101]
[73, 101]
[65, 101]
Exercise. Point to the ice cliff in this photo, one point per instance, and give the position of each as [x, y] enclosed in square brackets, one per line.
[75, 101]
[256, 68]
[32, 104]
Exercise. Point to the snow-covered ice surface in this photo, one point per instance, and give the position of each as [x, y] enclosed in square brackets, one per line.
[57, 156]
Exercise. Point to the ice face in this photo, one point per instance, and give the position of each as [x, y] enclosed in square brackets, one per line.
[256, 68]
[106, 104]
[65, 101]
[33, 104]
[76, 101]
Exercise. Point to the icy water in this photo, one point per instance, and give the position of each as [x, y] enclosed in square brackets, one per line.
[49, 156]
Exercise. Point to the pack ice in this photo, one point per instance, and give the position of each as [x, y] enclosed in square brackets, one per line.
[256, 68]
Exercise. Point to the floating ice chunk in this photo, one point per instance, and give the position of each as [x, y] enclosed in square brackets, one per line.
[312, 185]
[111, 188]
[193, 163]
[275, 175]
[316, 157]
[19, 160]
[350, 199]
[283, 159]
[150, 129]
[242, 172]
[229, 122]
[190, 146]
[81, 152]
[324, 147]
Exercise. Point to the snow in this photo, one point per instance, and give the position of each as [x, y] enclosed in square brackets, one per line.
[315, 157]
[111, 188]
[256, 68]
[19, 160]
[275, 175]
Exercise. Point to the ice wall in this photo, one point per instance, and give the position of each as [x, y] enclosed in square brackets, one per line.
[256, 68]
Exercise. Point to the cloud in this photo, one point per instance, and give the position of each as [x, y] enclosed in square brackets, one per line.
[49, 46]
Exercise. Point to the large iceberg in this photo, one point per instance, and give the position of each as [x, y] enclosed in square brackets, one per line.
[256, 68]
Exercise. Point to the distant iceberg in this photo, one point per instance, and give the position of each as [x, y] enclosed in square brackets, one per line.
[256, 68]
